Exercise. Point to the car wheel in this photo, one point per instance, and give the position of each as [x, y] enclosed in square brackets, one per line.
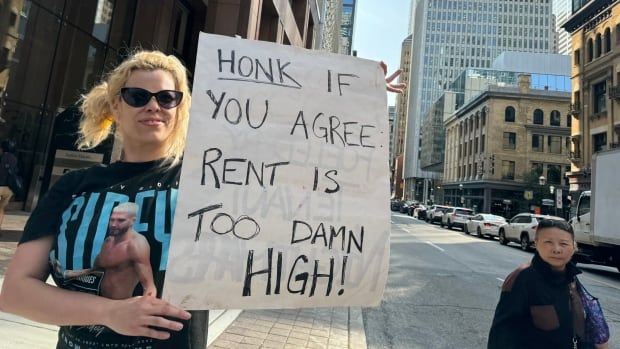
[525, 242]
[479, 231]
[465, 230]
[502, 237]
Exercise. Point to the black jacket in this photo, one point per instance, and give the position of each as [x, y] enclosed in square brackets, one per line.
[534, 309]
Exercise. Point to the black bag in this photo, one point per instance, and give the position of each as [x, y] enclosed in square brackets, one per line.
[15, 183]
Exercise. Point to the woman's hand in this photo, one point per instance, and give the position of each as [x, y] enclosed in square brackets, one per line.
[140, 316]
[396, 88]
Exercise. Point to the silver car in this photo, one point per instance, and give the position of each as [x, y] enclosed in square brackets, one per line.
[456, 217]
[484, 224]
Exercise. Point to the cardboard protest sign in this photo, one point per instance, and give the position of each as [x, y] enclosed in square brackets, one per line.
[284, 193]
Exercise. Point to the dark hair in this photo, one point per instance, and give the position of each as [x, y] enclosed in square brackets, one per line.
[8, 146]
[555, 223]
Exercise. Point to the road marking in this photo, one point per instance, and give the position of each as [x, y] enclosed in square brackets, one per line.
[435, 246]
[600, 282]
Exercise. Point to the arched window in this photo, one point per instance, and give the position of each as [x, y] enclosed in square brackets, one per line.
[539, 117]
[483, 116]
[590, 50]
[607, 40]
[597, 46]
[555, 119]
[509, 114]
[617, 34]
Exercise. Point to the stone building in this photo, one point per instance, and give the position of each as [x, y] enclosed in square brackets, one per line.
[495, 141]
[595, 30]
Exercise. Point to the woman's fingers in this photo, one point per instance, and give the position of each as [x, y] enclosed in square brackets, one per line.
[163, 308]
[393, 76]
[164, 323]
[153, 333]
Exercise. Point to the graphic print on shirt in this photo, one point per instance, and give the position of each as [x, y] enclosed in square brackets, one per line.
[109, 243]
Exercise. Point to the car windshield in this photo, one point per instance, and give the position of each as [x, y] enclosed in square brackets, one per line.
[464, 211]
[443, 209]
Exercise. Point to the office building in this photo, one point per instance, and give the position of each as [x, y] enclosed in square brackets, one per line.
[52, 51]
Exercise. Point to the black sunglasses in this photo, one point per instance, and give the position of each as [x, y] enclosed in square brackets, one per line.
[139, 97]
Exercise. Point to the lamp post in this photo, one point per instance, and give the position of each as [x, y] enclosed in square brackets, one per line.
[462, 197]
[552, 191]
[542, 181]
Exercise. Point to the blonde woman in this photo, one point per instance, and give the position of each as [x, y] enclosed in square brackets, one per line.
[145, 103]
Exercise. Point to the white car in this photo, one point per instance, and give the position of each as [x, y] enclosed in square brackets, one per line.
[484, 224]
[521, 229]
[456, 217]
[435, 213]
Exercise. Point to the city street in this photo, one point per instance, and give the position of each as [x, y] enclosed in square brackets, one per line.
[443, 287]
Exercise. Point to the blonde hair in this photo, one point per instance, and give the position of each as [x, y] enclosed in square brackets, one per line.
[97, 120]
[127, 207]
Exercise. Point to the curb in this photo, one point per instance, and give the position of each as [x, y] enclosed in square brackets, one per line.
[357, 335]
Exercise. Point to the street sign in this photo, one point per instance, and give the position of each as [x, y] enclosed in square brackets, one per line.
[528, 195]
[558, 198]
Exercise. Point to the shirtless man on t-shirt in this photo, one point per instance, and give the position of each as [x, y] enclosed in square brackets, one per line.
[124, 257]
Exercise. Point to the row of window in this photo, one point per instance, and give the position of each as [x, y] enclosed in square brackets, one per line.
[554, 172]
[471, 147]
[597, 47]
[554, 143]
[538, 117]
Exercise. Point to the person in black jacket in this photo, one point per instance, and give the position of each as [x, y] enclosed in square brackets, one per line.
[539, 306]
[8, 161]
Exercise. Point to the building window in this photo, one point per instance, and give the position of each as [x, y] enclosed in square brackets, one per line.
[476, 145]
[510, 140]
[482, 144]
[556, 119]
[568, 121]
[590, 51]
[460, 150]
[617, 34]
[567, 144]
[600, 90]
[599, 142]
[509, 114]
[484, 116]
[539, 117]
[576, 57]
[555, 144]
[554, 174]
[538, 143]
[508, 170]
[537, 167]
[607, 40]
[597, 46]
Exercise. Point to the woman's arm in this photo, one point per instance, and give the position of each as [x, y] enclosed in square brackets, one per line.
[25, 293]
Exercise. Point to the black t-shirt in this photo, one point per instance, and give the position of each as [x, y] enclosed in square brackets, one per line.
[98, 252]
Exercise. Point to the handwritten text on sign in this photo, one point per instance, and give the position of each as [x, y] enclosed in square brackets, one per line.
[284, 188]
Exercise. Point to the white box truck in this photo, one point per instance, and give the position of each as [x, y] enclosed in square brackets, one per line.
[597, 219]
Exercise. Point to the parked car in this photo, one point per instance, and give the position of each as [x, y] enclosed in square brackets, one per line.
[435, 213]
[456, 217]
[395, 205]
[412, 207]
[420, 212]
[484, 224]
[405, 207]
[521, 229]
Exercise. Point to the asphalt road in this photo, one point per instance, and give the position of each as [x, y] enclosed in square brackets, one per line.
[443, 287]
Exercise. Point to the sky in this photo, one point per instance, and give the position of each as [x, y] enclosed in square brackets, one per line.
[379, 30]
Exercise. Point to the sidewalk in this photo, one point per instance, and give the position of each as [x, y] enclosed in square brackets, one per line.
[329, 328]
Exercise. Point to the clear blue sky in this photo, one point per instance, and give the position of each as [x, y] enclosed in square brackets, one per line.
[380, 28]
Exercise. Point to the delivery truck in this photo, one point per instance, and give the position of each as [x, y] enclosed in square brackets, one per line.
[597, 219]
